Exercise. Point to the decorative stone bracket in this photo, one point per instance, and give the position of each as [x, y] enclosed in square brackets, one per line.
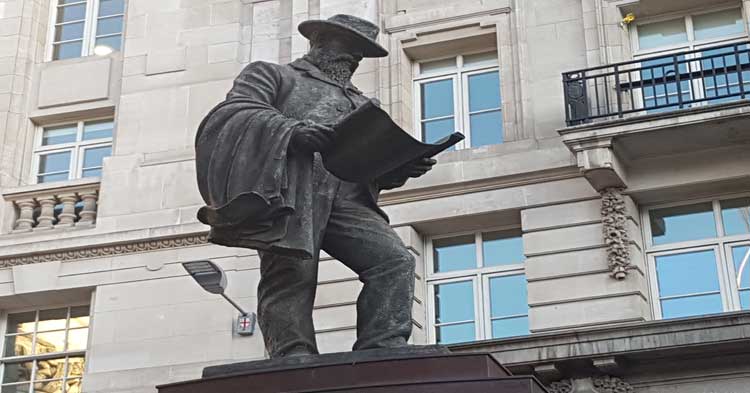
[39, 207]
[599, 164]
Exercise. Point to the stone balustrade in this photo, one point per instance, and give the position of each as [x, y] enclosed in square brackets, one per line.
[42, 208]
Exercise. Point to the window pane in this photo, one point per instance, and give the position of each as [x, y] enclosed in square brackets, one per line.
[682, 223]
[93, 157]
[21, 323]
[97, 130]
[741, 258]
[510, 327]
[718, 24]
[71, 12]
[456, 333]
[508, 296]
[114, 42]
[50, 342]
[683, 274]
[67, 50]
[16, 388]
[50, 369]
[486, 59]
[697, 305]
[18, 345]
[59, 135]
[111, 7]
[76, 365]
[484, 91]
[61, 2]
[486, 128]
[54, 162]
[736, 216]
[438, 66]
[669, 32]
[53, 319]
[502, 248]
[48, 387]
[745, 299]
[110, 25]
[51, 178]
[79, 316]
[437, 99]
[68, 32]
[77, 339]
[73, 386]
[436, 130]
[454, 302]
[91, 173]
[17, 372]
[455, 253]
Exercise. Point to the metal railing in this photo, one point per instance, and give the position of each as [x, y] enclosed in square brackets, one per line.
[658, 84]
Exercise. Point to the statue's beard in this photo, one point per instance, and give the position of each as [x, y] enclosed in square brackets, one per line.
[340, 68]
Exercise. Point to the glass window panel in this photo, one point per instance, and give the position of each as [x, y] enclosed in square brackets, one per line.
[689, 306]
[741, 258]
[79, 316]
[682, 223]
[73, 386]
[93, 157]
[91, 173]
[736, 216]
[437, 99]
[455, 253]
[59, 135]
[454, 302]
[71, 31]
[61, 2]
[106, 26]
[438, 66]
[51, 178]
[486, 59]
[76, 366]
[687, 273]
[24, 388]
[484, 91]
[502, 248]
[50, 369]
[456, 333]
[48, 386]
[71, 13]
[510, 327]
[435, 130]
[508, 296]
[111, 7]
[658, 34]
[21, 322]
[67, 50]
[98, 130]
[19, 345]
[17, 372]
[718, 24]
[745, 299]
[486, 128]
[77, 339]
[114, 42]
[54, 162]
[50, 342]
[53, 319]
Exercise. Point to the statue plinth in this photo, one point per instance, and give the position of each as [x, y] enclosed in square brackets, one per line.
[412, 370]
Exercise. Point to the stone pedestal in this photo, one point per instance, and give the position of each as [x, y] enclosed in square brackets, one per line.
[379, 371]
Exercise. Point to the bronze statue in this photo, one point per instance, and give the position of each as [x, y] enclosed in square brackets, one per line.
[260, 171]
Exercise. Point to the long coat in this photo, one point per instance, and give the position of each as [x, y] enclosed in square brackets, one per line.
[257, 194]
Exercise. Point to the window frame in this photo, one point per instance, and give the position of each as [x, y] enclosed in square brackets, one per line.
[479, 275]
[721, 245]
[90, 23]
[77, 149]
[459, 75]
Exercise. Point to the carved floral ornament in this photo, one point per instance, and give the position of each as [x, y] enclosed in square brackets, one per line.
[616, 237]
[601, 384]
[105, 250]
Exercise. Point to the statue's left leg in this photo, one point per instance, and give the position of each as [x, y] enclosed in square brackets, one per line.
[362, 239]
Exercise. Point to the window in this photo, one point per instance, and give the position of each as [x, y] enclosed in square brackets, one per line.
[460, 94]
[86, 27]
[72, 151]
[45, 351]
[699, 256]
[477, 287]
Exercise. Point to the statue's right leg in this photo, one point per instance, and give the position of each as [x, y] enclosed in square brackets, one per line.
[286, 293]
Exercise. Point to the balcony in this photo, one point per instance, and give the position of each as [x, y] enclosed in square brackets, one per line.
[672, 104]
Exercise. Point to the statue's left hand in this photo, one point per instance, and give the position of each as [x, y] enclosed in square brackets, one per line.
[417, 168]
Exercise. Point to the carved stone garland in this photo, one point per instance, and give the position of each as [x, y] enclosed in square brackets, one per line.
[616, 235]
[607, 384]
[600, 384]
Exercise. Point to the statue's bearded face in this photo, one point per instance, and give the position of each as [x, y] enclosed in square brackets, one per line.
[335, 56]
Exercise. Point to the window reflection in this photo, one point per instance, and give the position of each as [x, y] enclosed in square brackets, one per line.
[682, 223]
[50, 342]
[509, 306]
[21, 323]
[741, 258]
[456, 253]
[688, 284]
[502, 248]
[736, 216]
[53, 319]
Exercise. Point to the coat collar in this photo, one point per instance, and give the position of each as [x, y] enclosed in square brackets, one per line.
[313, 71]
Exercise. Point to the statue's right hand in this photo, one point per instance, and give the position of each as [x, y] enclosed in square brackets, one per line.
[313, 138]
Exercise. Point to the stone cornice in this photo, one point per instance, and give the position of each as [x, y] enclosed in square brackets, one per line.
[106, 250]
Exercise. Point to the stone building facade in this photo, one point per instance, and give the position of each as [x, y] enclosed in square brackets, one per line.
[593, 229]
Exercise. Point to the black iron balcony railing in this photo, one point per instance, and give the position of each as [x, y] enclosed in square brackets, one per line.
[658, 84]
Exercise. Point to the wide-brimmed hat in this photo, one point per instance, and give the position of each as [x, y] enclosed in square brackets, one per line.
[364, 31]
